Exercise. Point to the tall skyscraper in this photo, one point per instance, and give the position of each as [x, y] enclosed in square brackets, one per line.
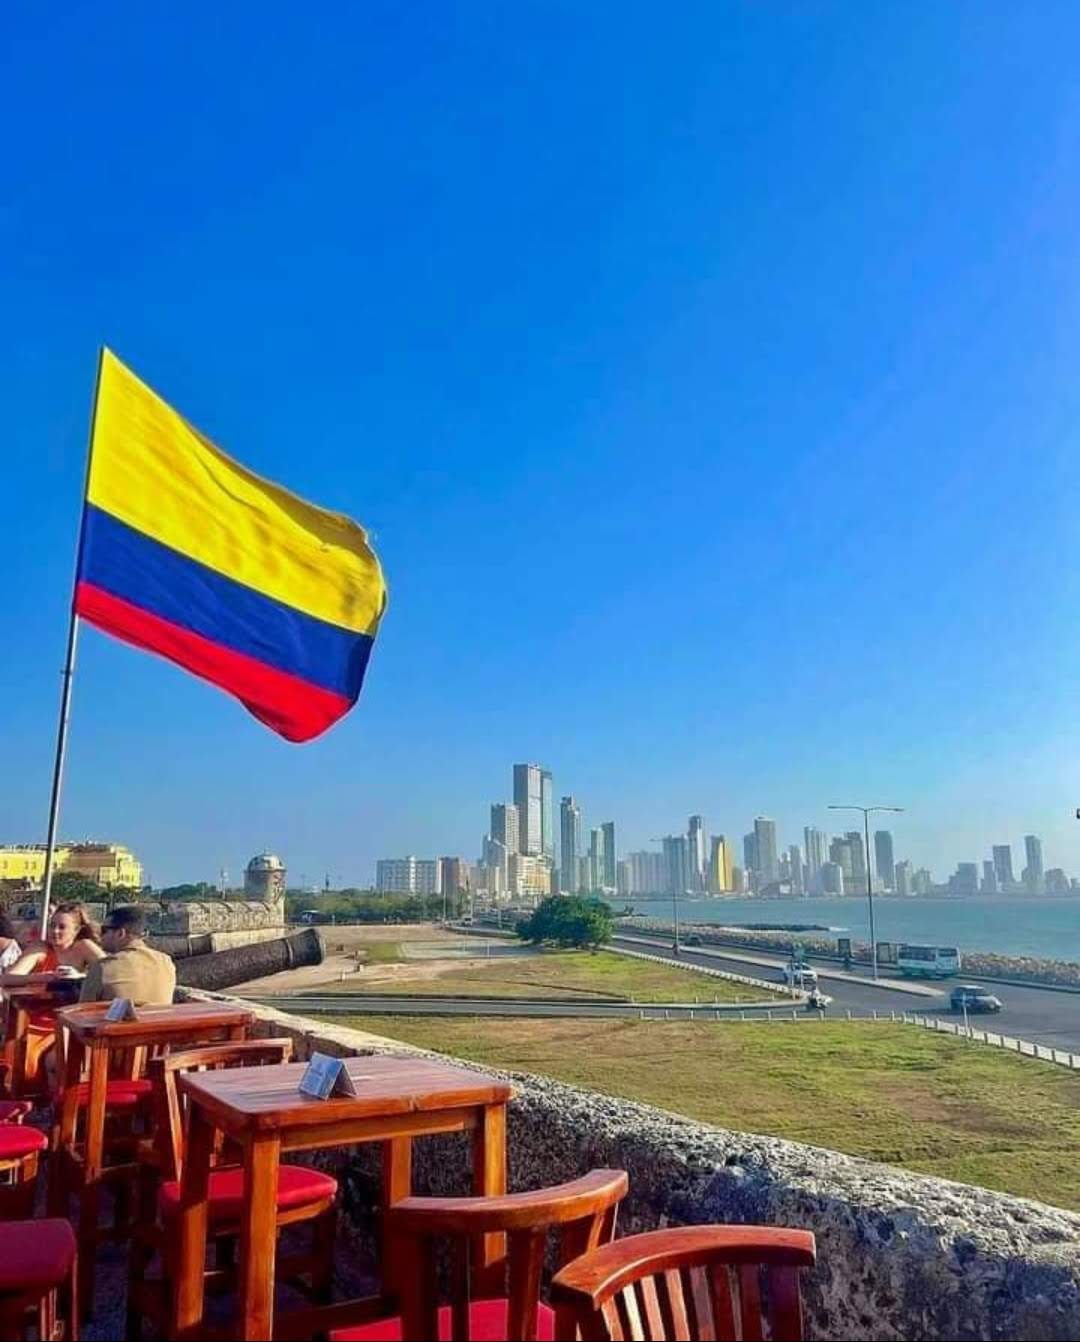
[795, 869]
[1003, 867]
[816, 856]
[965, 880]
[832, 878]
[859, 859]
[720, 877]
[597, 865]
[989, 883]
[505, 826]
[695, 834]
[529, 799]
[547, 814]
[765, 836]
[677, 864]
[750, 853]
[840, 856]
[904, 880]
[1033, 872]
[884, 862]
[608, 828]
[570, 835]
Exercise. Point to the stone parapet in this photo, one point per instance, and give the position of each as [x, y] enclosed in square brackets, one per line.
[900, 1256]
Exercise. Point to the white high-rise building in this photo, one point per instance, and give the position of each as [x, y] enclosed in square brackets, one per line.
[570, 851]
[905, 882]
[695, 835]
[815, 841]
[832, 878]
[795, 869]
[407, 875]
[529, 800]
[547, 814]
[597, 863]
[505, 825]
[646, 873]
[1033, 872]
[395, 875]
[677, 872]
[427, 876]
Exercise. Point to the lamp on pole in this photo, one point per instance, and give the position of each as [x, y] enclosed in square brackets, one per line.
[674, 905]
[866, 813]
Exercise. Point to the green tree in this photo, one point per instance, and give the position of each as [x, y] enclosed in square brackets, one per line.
[73, 887]
[568, 920]
[201, 890]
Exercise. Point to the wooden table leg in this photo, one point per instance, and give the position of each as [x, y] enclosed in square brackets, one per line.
[186, 1294]
[20, 1047]
[65, 1130]
[258, 1237]
[396, 1184]
[93, 1164]
[489, 1179]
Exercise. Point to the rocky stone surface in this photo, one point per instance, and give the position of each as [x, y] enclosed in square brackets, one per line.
[184, 917]
[900, 1256]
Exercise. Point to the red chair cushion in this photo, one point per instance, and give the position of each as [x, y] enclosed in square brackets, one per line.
[119, 1094]
[297, 1185]
[34, 1255]
[13, 1111]
[17, 1140]
[487, 1323]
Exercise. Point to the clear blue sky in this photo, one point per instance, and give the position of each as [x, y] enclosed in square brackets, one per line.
[708, 375]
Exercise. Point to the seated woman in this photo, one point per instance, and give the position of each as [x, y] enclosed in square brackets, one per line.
[71, 947]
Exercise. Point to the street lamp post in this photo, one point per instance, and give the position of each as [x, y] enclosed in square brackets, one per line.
[866, 813]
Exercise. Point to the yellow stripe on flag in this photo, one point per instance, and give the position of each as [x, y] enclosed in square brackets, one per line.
[159, 475]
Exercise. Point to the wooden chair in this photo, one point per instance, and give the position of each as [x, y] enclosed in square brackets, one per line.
[717, 1282]
[304, 1194]
[38, 1272]
[20, 1155]
[582, 1211]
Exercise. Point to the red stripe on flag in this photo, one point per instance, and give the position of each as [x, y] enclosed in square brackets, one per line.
[292, 707]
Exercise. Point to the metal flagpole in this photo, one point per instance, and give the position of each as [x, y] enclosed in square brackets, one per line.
[67, 675]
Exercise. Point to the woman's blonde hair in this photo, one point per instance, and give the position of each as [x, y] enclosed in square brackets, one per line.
[87, 929]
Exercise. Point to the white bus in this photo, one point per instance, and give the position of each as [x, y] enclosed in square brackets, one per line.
[934, 962]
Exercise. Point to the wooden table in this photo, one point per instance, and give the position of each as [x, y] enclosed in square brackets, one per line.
[262, 1110]
[91, 1041]
[25, 994]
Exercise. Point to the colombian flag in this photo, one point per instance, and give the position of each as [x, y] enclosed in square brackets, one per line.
[186, 553]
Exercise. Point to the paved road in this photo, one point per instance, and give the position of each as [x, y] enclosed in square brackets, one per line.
[1038, 1014]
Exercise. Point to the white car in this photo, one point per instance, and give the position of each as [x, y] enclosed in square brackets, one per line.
[799, 976]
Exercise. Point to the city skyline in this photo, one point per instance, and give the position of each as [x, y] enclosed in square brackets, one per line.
[535, 857]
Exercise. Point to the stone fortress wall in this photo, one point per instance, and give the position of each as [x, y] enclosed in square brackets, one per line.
[900, 1256]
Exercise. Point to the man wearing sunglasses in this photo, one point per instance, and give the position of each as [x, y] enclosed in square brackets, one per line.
[130, 968]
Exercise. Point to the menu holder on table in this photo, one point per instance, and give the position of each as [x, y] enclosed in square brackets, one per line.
[121, 1008]
[326, 1076]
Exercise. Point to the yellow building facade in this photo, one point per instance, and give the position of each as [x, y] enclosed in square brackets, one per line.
[105, 863]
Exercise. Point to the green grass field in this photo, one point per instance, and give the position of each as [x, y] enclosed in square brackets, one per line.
[887, 1092]
[382, 952]
[570, 974]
